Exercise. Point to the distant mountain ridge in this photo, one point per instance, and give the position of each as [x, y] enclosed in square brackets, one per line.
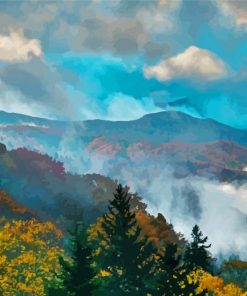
[221, 160]
[191, 145]
[177, 163]
[167, 126]
[9, 118]
[156, 127]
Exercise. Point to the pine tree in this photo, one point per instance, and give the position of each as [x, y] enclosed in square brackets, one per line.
[77, 274]
[173, 274]
[129, 257]
[169, 266]
[197, 254]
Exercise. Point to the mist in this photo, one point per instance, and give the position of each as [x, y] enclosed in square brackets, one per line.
[220, 209]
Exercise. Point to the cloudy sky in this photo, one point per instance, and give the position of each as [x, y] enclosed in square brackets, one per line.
[120, 59]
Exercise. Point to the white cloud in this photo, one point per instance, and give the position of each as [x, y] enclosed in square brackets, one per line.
[160, 17]
[215, 204]
[16, 47]
[13, 101]
[237, 10]
[123, 107]
[193, 63]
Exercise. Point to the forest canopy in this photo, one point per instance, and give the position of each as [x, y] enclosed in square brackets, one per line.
[126, 251]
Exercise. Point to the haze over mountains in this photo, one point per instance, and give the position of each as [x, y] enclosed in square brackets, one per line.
[41, 184]
[157, 127]
[190, 145]
[188, 169]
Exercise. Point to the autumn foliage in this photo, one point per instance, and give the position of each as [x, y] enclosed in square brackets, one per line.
[214, 284]
[28, 256]
[125, 252]
[157, 229]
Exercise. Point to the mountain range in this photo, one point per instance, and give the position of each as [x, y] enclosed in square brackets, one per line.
[188, 169]
[188, 145]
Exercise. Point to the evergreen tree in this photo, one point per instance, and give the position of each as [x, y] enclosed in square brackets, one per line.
[173, 274]
[197, 254]
[169, 266]
[129, 257]
[77, 274]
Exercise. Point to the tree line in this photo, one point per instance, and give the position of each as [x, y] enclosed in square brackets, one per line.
[124, 252]
[120, 260]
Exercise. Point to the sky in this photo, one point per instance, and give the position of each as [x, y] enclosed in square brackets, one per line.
[122, 59]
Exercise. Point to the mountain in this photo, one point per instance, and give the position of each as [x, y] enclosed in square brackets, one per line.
[167, 126]
[16, 119]
[157, 128]
[35, 186]
[223, 160]
[177, 163]
[39, 183]
[164, 127]
[190, 145]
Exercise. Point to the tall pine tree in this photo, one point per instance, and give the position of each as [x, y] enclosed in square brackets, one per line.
[170, 271]
[173, 274]
[129, 257]
[197, 254]
[76, 273]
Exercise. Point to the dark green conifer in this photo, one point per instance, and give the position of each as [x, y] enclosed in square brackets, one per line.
[76, 274]
[197, 254]
[129, 256]
[170, 268]
[174, 275]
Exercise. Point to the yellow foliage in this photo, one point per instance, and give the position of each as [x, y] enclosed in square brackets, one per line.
[104, 273]
[97, 236]
[214, 284]
[28, 256]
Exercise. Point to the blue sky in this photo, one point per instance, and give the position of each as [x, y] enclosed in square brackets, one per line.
[119, 60]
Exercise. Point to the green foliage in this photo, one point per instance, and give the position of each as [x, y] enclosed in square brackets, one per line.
[113, 257]
[235, 271]
[170, 271]
[174, 275]
[77, 274]
[128, 258]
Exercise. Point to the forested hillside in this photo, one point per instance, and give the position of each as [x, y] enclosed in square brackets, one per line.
[125, 251]
[68, 234]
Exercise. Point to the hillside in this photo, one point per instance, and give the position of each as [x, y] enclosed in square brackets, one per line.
[163, 127]
[223, 160]
[35, 186]
[190, 145]
[41, 184]
[157, 128]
